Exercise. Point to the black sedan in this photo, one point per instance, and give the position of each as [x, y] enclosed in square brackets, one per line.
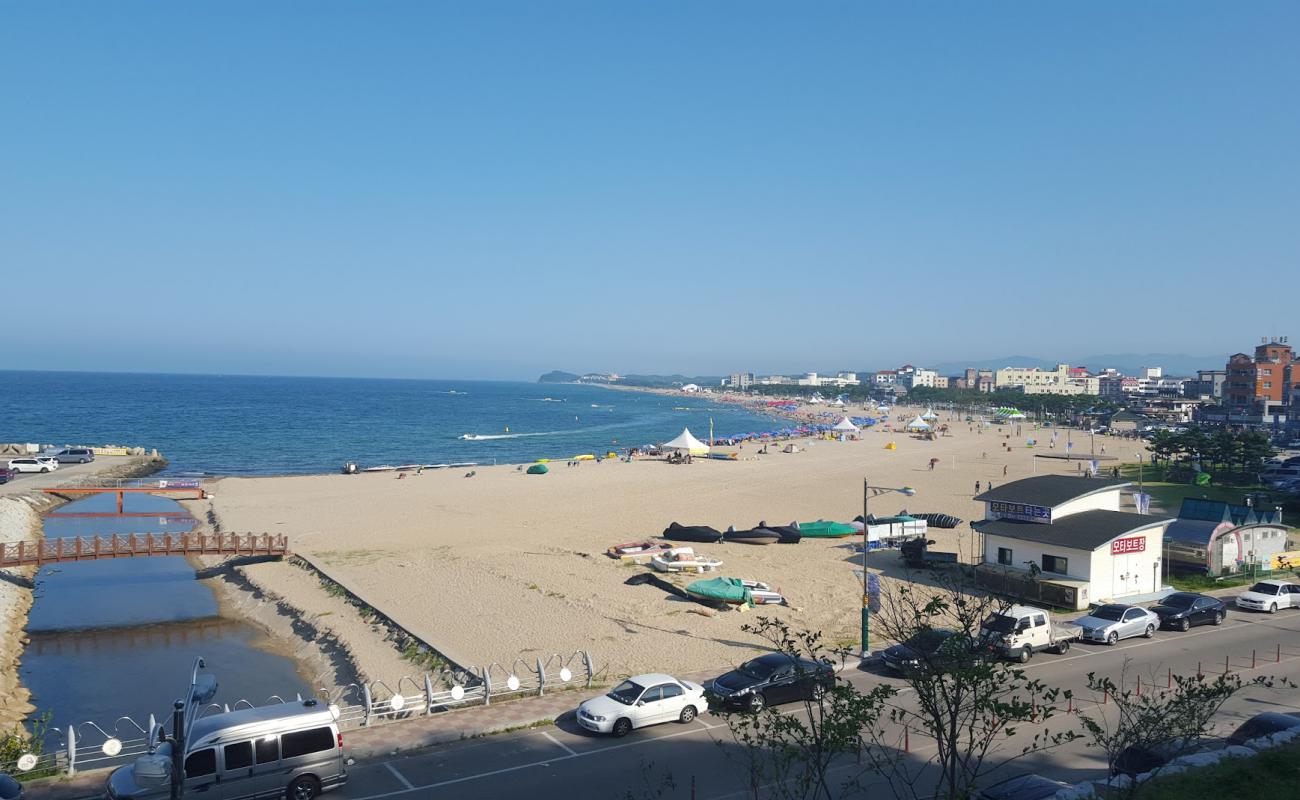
[1182, 610]
[1265, 724]
[1023, 787]
[772, 679]
[932, 647]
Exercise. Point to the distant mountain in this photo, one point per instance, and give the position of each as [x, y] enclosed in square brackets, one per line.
[654, 381]
[556, 376]
[1175, 364]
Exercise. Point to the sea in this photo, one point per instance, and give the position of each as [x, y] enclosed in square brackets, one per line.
[256, 425]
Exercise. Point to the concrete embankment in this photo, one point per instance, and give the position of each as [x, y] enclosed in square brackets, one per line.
[20, 519]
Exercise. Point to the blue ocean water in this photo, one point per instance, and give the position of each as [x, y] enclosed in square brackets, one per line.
[230, 425]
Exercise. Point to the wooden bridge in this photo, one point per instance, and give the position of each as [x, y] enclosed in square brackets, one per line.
[163, 487]
[140, 545]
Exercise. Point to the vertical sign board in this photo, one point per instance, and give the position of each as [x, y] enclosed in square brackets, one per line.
[1132, 544]
[1020, 511]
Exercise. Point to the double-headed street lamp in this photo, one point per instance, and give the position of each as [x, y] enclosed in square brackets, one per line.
[869, 491]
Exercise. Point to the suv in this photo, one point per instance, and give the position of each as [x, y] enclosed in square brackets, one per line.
[74, 455]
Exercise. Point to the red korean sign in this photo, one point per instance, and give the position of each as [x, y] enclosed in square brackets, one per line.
[1133, 544]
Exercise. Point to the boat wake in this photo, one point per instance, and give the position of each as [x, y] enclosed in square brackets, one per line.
[479, 437]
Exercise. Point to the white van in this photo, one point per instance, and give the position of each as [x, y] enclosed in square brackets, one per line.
[292, 751]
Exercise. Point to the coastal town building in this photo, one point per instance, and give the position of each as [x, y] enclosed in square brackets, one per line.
[1064, 540]
[885, 378]
[1032, 380]
[1117, 387]
[1222, 538]
[739, 380]
[1258, 389]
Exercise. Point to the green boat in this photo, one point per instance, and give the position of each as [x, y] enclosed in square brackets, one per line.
[821, 529]
[735, 591]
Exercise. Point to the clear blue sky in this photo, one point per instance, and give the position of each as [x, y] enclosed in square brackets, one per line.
[489, 189]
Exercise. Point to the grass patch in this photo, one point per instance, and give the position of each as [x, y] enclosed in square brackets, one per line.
[1272, 773]
[423, 658]
[1169, 494]
[1202, 583]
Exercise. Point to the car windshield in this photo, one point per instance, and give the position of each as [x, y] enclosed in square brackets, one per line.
[927, 640]
[1264, 588]
[1000, 624]
[1179, 600]
[758, 668]
[626, 692]
[1111, 613]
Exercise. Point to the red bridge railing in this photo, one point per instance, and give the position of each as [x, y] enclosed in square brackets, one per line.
[140, 545]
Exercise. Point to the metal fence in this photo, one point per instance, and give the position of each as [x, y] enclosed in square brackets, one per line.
[88, 745]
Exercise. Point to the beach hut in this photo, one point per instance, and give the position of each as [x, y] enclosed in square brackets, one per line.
[918, 424]
[685, 441]
[846, 426]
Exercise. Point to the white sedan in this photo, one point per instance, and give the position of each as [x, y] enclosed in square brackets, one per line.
[640, 701]
[1270, 596]
[31, 465]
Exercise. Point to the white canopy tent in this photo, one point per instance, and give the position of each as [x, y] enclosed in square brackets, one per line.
[929, 415]
[685, 441]
[918, 424]
[845, 425]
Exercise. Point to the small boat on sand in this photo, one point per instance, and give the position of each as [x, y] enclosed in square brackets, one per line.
[735, 591]
[683, 559]
[636, 551]
[692, 533]
[751, 536]
[789, 534]
[821, 529]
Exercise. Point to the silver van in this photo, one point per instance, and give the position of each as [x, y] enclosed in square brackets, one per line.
[292, 751]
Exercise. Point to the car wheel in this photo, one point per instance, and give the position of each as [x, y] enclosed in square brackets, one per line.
[756, 702]
[1184, 625]
[1151, 631]
[622, 728]
[47, 469]
[304, 788]
[817, 692]
[1112, 639]
[1024, 655]
[1218, 618]
[1272, 609]
[688, 714]
[1063, 647]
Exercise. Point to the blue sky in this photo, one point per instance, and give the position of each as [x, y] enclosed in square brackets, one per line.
[495, 189]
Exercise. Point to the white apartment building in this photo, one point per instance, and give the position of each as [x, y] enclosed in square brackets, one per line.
[1032, 380]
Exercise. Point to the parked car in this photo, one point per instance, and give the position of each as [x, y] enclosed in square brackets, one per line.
[772, 679]
[1110, 623]
[928, 647]
[7, 474]
[30, 465]
[1270, 596]
[74, 455]
[49, 461]
[1265, 724]
[1182, 610]
[1023, 787]
[10, 789]
[1138, 759]
[640, 701]
[1020, 631]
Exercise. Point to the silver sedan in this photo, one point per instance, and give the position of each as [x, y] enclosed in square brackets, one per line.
[1110, 623]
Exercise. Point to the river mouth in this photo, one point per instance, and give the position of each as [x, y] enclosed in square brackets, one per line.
[118, 637]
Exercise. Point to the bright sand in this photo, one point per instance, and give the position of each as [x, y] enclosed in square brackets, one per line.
[506, 565]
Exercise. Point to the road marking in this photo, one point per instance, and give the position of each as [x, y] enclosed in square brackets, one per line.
[558, 744]
[400, 777]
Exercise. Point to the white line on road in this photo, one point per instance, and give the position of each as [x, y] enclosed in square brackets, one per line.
[559, 744]
[400, 777]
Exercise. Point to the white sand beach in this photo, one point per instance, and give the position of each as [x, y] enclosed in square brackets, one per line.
[505, 565]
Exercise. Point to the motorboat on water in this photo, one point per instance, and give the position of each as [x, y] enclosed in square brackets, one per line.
[683, 559]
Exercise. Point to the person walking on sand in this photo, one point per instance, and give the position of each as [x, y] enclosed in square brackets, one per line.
[1004, 470]
[977, 487]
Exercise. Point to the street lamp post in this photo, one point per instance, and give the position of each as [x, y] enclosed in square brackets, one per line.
[184, 713]
[869, 491]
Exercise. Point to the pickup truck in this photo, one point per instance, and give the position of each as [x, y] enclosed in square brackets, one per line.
[1020, 631]
[916, 553]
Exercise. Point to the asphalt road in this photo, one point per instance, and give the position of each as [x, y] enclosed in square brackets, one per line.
[565, 762]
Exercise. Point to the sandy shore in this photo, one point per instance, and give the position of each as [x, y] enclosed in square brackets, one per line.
[505, 565]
